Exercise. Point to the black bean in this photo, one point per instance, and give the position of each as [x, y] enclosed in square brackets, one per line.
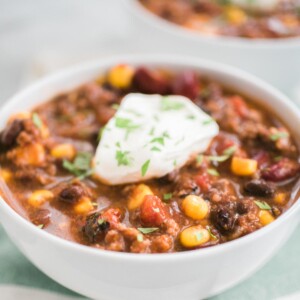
[71, 194]
[10, 133]
[224, 217]
[94, 227]
[260, 188]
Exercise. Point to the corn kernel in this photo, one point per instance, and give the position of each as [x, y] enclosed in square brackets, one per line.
[84, 206]
[138, 194]
[19, 116]
[64, 151]
[243, 166]
[280, 198]
[39, 197]
[5, 174]
[32, 154]
[120, 76]
[235, 15]
[195, 207]
[265, 217]
[194, 236]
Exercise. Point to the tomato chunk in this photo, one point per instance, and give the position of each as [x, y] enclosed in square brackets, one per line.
[153, 211]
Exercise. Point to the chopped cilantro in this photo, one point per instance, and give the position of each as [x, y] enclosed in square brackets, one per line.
[199, 159]
[81, 166]
[41, 226]
[263, 205]
[37, 120]
[208, 121]
[218, 158]
[159, 140]
[167, 104]
[278, 135]
[210, 233]
[145, 167]
[123, 158]
[115, 106]
[126, 124]
[147, 230]
[139, 237]
[229, 151]
[213, 172]
[167, 196]
[156, 149]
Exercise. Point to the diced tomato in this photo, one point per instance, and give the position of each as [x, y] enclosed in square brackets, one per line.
[203, 181]
[153, 211]
[112, 215]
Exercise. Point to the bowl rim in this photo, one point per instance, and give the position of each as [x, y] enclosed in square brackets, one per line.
[175, 61]
[135, 7]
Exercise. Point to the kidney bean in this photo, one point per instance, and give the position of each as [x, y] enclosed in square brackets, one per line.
[260, 188]
[153, 211]
[186, 84]
[282, 170]
[150, 82]
[263, 158]
[10, 133]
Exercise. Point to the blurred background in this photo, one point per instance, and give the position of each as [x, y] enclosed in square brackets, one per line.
[38, 37]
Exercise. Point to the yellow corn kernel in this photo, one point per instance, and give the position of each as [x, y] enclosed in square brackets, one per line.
[120, 76]
[20, 116]
[280, 198]
[5, 174]
[265, 217]
[84, 206]
[63, 151]
[32, 154]
[243, 166]
[137, 196]
[39, 197]
[195, 207]
[194, 236]
[235, 15]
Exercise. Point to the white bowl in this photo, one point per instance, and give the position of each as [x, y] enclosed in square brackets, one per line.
[275, 60]
[189, 275]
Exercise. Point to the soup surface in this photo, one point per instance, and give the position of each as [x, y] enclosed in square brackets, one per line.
[218, 17]
[245, 179]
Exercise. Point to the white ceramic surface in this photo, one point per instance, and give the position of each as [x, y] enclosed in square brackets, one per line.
[274, 60]
[122, 276]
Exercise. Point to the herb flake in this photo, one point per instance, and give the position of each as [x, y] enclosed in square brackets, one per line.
[263, 205]
[147, 230]
[145, 167]
[37, 121]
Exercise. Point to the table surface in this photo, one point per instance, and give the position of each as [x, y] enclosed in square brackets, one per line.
[37, 37]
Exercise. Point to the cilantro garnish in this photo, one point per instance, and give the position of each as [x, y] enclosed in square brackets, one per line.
[156, 149]
[210, 233]
[126, 124]
[37, 120]
[145, 167]
[167, 104]
[159, 140]
[213, 172]
[278, 135]
[263, 205]
[167, 196]
[147, 230]
[81, 166]
[229, 151]
[139, 237]
[208, 121]
[123, 158]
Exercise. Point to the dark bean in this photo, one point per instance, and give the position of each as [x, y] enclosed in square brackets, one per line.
[186, 84]
[282, 170]
[260, 188]
[71, 194]
[11, 132]
[224, 217]
[95, 227]
[41, 217]
[150, 82]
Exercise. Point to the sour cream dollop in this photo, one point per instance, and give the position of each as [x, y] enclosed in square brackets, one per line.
[150, 136]
[262, 5]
